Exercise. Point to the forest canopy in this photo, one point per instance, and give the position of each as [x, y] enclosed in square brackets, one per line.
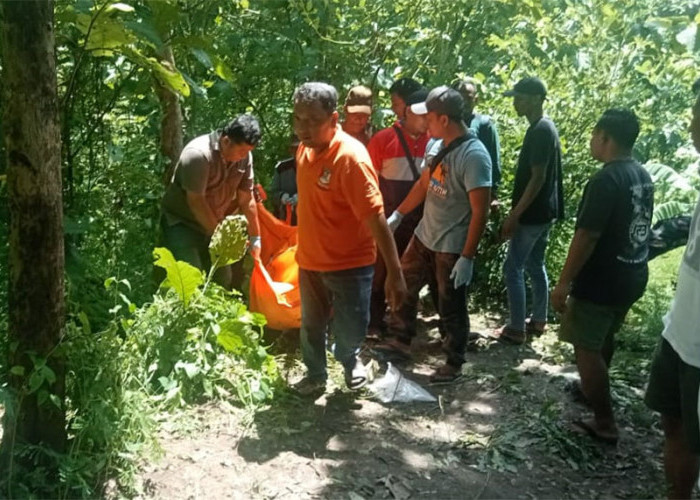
[138, 79]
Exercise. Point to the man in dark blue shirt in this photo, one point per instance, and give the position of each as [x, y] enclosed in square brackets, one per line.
[536, 202]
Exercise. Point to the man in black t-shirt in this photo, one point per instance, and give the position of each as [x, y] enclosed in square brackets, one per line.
[606, 268]
[283, 188]
[537, 202]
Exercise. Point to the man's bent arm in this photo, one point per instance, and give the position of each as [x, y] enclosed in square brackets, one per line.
[202, 211]
[480, 200]
[246, 202]
[416, 195]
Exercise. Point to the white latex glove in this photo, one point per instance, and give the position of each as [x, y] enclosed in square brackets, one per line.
[255, 246]
[294, 199]
[285, 198]
[462, 271]
[394, 220]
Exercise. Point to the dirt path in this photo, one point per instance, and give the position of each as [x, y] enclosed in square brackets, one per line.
[501, 431]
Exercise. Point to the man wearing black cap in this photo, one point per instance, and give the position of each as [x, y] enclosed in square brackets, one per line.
[537, 202]
[455, 185]
[397, 154]
[399, 92]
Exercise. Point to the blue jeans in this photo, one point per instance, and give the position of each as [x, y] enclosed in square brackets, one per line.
[338, 298]
[526, 252]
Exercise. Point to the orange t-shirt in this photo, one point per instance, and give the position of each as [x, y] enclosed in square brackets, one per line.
[338, 190]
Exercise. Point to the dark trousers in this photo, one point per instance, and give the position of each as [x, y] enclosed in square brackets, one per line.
[377, 308]
[191, 246]
[421, 266]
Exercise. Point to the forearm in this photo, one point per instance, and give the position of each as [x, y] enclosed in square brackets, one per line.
[415, 196]
[480, 203]
[250, 210]
[531, 190]
[580, 250]
[202, 212]
[385, 242]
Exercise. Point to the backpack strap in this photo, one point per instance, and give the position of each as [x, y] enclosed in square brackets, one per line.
[407, 152]
[445, 151]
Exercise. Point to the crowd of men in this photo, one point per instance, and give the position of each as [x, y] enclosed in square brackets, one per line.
[382, 215]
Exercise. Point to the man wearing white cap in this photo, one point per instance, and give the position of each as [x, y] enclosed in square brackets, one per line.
[358, 110]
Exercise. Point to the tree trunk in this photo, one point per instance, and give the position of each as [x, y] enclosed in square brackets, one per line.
[171, 122]
[36, 262]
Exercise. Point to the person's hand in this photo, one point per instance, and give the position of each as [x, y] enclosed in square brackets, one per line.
[495, 205]
[462, 271]
[508, 227]
[394, 220]
[395, 290]
[255, 247]
[285, 198]
[558, 298]
[294, 199]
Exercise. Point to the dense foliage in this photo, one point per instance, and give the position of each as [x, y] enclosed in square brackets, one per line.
[124, 346]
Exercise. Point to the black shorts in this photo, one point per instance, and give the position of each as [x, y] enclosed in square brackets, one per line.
[673, 391]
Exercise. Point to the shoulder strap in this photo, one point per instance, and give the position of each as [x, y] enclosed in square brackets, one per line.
[451, 147]
[407, 152]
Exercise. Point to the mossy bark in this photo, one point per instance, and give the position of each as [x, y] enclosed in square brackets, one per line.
[31, 134]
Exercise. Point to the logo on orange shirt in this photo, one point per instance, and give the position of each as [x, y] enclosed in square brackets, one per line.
[325, 180]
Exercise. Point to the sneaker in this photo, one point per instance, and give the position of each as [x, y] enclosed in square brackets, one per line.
[510, 335]
[310, 386]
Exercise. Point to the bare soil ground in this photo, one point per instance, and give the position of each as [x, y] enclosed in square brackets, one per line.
[501, 431]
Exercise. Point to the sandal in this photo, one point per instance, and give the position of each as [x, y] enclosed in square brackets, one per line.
[357, 377]
[535, 328]
[510, 335]
[392, 350]
[589, 429]
[309, 386]
[446, 373]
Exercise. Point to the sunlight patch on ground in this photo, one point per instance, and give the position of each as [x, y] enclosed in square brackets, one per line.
[418, 460]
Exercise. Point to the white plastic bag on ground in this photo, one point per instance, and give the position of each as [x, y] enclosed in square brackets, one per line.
[394, 387]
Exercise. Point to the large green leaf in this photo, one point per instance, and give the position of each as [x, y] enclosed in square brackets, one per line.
[671, 209]
[170, 78]
[665, 177]
[182, 277]
[105, 33]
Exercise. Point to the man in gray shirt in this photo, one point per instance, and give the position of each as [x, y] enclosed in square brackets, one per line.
[456, 186]
[212, 179]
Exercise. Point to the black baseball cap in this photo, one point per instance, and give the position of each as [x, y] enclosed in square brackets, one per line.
[418, 96]
[442, 100]
[530, 85]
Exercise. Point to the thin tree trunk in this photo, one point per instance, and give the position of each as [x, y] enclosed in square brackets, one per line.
[171, 121]
[36, 261]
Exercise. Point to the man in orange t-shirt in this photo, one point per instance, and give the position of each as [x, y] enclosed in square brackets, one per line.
[340, 215]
